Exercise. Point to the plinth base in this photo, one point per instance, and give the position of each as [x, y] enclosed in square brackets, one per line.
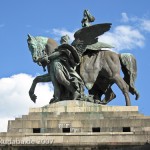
[78, 125]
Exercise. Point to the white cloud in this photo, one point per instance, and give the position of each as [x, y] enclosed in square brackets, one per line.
[61, 32]
[4, 123]
[145, 25]
[126, 36]
[140, 23]
[123, 37]
[14, 98]
[124, 17]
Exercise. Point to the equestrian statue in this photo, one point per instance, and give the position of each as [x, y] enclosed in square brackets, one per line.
[85, 62]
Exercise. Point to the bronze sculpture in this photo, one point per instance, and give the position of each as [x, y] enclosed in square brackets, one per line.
[60, 63]
[67, 83]
[87, 18]
[99, 68]
[99, 65]
[40, 43]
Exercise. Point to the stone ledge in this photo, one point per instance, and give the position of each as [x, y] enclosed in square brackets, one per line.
[78, 138]
[81, 106]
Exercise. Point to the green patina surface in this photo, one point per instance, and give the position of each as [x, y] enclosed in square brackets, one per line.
[98, 46]
[38, 43]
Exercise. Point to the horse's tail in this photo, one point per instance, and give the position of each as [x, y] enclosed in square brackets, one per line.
[129, 68]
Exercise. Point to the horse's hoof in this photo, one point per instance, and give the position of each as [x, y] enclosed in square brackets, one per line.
[128, 104]
[137, 96]
[52, 101]
[33, 98]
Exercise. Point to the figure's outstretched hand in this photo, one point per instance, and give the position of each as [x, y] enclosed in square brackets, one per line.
[32, 96]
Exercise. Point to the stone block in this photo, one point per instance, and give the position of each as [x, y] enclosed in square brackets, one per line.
[15, 124]
[75, 140]
[53, 130]
[30, 130]
[120, 108]
[83, 121]
[76, 123]
[146, 128]
[81, 106]
[86, 129]
[25, 116]
[52, 124]
[31, 124]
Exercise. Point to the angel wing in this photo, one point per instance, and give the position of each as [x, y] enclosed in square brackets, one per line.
[89, 34]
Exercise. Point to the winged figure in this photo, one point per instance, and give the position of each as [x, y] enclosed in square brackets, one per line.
[87, 38]
[100, 68]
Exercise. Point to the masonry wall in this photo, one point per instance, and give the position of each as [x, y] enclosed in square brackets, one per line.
[78, 124]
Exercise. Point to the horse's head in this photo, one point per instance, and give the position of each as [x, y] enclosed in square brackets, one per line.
[37, 47]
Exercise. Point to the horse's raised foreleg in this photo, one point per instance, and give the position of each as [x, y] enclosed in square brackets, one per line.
[122, 85]
[43, 78]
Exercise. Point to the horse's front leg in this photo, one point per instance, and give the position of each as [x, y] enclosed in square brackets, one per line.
[43, 78]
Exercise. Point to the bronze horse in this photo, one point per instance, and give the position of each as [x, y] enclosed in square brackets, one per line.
[109, 70]
[101, 69]
[35, 45]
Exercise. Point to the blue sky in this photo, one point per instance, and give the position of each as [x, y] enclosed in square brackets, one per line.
[130, 32]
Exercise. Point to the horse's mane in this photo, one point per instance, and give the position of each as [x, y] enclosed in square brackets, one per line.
[41, 39]
[44, 42]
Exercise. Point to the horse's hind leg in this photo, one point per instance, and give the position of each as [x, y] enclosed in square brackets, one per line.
[133, 91]
[122, 85]
[130, 81]
[109, 95]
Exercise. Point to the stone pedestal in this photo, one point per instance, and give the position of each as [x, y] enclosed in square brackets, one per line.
[78, 125]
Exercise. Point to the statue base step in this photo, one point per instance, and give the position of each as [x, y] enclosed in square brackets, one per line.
[80, 125]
